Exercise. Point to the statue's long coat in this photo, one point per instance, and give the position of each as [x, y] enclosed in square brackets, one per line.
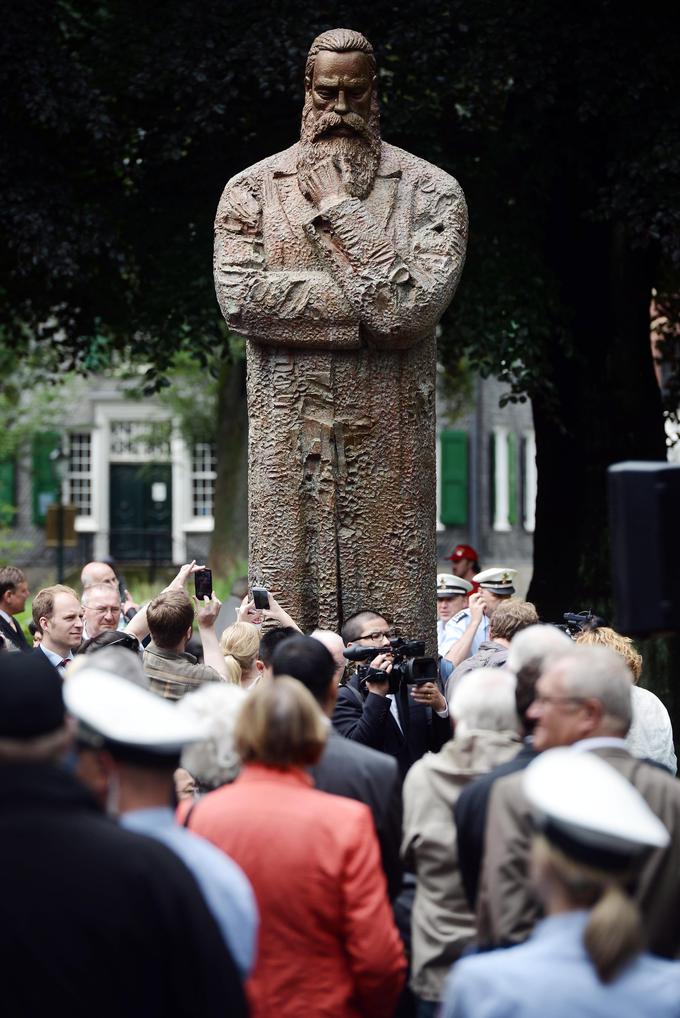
[340, 313]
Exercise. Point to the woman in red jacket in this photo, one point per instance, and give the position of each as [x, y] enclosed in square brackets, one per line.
[328, 944]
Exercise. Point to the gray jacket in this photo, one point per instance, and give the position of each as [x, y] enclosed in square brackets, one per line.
[489, 655]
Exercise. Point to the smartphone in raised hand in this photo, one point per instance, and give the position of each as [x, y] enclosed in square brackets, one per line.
[203, 583]
[260, 598]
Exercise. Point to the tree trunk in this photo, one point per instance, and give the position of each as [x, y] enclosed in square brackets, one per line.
[608, 409]
[229, 545]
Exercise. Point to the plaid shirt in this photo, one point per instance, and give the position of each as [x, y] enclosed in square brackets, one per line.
[173, 674]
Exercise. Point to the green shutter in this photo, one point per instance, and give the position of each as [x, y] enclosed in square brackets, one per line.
[454, 478]
[45, 480]
[7, 493]
[513, 479]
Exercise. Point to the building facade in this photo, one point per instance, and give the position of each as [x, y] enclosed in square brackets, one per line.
[140, 492]
[487, 480]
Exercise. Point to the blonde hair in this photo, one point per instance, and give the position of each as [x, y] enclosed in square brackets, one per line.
[613, 933]
[621, 645]
[280, 725]
[510, 617]
[240, 644]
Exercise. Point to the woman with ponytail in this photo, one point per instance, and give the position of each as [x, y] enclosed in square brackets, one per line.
[240, 645]
[586, 959]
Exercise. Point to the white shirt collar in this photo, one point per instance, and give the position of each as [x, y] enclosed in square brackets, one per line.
[7, 618]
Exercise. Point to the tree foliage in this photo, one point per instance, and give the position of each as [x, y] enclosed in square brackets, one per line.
[123, 121]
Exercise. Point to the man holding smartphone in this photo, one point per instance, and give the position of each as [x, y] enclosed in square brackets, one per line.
[171, 669]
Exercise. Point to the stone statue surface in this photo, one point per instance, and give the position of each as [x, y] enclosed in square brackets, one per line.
[336, 259]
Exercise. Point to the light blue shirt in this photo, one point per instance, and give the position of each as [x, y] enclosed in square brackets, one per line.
[551, 974]
[225, 887]
[454, 629]
[55, 659]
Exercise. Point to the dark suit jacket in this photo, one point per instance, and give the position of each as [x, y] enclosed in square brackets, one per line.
[507, 907]
[357, 772]
[85, 894]
[470, 810]
[12, 636]
[369, 720]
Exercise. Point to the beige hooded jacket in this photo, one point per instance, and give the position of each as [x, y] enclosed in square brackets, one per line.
[441, 923]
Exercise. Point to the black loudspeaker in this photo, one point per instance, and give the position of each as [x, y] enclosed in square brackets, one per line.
[644, 519]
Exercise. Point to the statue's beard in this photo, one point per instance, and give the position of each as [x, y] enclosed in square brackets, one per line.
[358, 154]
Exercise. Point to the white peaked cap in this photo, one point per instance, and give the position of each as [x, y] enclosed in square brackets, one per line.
[499, 576]
[122, 712]
[587, 803]
[447, 583]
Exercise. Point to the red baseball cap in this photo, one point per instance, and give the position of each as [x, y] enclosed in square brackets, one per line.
[463, 551]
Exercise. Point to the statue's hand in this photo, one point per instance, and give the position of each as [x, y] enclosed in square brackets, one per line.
[326, 184]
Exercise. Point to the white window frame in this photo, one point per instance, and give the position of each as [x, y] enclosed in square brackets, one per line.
[83, 520]
[202, 475]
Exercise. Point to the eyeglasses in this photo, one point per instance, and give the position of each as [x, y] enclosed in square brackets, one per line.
[544, 701]
[378, 635]
[103, 610]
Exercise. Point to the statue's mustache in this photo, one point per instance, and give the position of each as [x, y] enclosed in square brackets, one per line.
[329, 121]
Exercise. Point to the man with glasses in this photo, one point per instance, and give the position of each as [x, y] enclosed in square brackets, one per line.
[406, 722]
[582, 700]
[101, 609]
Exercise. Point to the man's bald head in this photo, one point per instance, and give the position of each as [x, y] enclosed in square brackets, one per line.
[98, 572]
[334, 645]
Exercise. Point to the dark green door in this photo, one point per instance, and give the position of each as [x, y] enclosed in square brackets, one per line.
[141, 512]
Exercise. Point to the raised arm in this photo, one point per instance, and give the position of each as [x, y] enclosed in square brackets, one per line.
[138, 625]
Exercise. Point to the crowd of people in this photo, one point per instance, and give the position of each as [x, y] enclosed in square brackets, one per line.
[279, 824]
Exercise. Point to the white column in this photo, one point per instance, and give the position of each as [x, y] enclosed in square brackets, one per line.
[181, 496]
[100, 482]
[438, 485]
[530, 480]
[501, 520]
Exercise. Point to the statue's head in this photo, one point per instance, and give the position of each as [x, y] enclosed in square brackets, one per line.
[341, 115]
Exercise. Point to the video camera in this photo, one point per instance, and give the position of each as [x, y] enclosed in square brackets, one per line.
[579, 622]
[408, 664]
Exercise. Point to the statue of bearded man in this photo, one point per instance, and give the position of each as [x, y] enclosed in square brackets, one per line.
[336, 259]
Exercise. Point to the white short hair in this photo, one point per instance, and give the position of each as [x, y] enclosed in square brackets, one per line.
[484, 699]
[537, 646]
[213, 761]
[604, 675]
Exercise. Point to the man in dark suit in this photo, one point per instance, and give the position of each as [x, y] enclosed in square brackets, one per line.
[407, 723]
[96, 919]
[347, 768]
[13, 594]
[531, 651]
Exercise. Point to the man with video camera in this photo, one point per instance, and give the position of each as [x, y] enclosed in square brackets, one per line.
[393, 701]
